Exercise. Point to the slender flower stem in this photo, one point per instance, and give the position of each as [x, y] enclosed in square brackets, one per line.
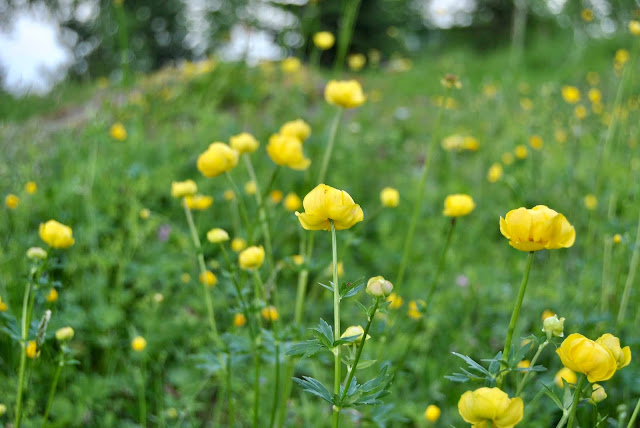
[262, 212]
[563, 420]
[434, 282]
[23, 354]
[515, 315]
[231, 411]
[276, 389]
[142, 397]
[526, 376]
[256, 389]
[241, 206]
[576, 400]
[632, 421]
[633, 267]
[52, 392]
[329, 151]
[606, 266]
[336, 323]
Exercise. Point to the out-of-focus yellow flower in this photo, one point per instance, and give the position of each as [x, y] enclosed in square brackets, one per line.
[344, 93]
[495, 173]
[32, 349]
[298, 259]
[553, 326]
[580, 112]
[31, 187]
[56, 235]
[145, 214]
[612, 343]
[238, 244]
[591, 202]
[432, 413]
[138, 344]
[198, 202]
[567, 374]
[324, 40]
[459, 143]
[64, 334]
[634, 28]
[244, 143]
[414, 312]
[379, 287]
[296, 128]
[36, 253]
[546, 314]
[585, 356]
[571, 94]
[524, 364]
[395, 301]
[229, 195]
[617, 238]
[490, 405]
[270, 313]
[185, 277]
[587, 15]
[621, 56]
[290, 65]
[251, 188]
[217, 236]
[217, 159]
[356, 61]
[354, 330]
[598, 394]
[276, 196]
[324, 204]
[292, 202]
[52, 295]
[470, 143]
[180, 189]
[3, 306]
[390, 197]
[507, 158]
[208, 278]
[118, 132]
[458, 205]
[451, 81]
[535, 141]
[537, 228]
[158, 298]
[286, 150]
[251, 258]
[239, 320]
[521, 151]
[595, 96]
[11, 201]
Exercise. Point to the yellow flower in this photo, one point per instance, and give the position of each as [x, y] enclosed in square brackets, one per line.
[354, 330]
[507, 158]
[251, 258]
[292, 202]
[379, 287]
[634, 28]
[3, 409]
[185, 277]
[546, 314]
[56, 234]
[298, 259]
[344, 93]
[31, 187]
[286, 150]
[585, 356]
[432, 413]
[270, 313]
[535, 141]
[296, 128]
[239, 320]
[32, 349]
[612, 343]
[580, 112]
[217, 159]
[536, 229]
[571, 94]
[250, 187]
[470, 143]
[198, 202]
[521, 151]
[208, 278]
[238, 244]
[356, 61]
[229, 195]
[553, 326]
[64, 334]
[145, 214]
[390, 197]
[526, 104]
[52, 295]
[138, 344]
[567, 374]
[622, 56]
[414, 312]
[495, 173]
[244, 143]
[324, 40]
[118, 132]
[324, 204]
[598, 394]
[276, 196]
[217, 235]
[587, 15]
[490, 405]
[36, 253]
[180, 189]
[291, 65]
[560, 135]
[3, 306]
[595, 96]
[458, 205]
[524, 364]
[591, 202]
[11, 201]
[617, 238]
[395, 301]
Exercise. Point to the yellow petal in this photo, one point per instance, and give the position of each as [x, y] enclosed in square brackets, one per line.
[512, 415]
[313, 222]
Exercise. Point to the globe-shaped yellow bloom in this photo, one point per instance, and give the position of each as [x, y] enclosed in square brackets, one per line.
[324, 40]
[180, 189]
[458, 205]
[296, 128]
[345, 94]
[324, 204]
[432, 413]
[239, 320]
[56, 234]
[118, 132]
[571, 94]
[536, 229]
[356, 61]
[490, 404]
[11, 201]
[585, 356]
[198, 202]
[634, 28]
[270, 313]
[286, 150]
[495, 172]
[612, 343]
[251, 258]
[567, 374]
[217, 159]
[138, 344]
[292, 202]
[390, 197]
[290, 65]
[244, 143]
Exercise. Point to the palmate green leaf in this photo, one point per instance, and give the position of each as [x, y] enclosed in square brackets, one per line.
[370, 392]
[472, 364]
[496, 364]
[324, 333]
[306, 349]
[314, 387]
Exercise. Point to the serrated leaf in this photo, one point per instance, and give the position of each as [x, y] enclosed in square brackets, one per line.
[472, 364]
[314, 387]
[324, 333]
[305, 349]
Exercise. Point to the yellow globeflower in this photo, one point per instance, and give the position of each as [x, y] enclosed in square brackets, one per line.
[3, 306]
[270, 313]
[414, 312]
[458, 205]
[587, 15]
[238, 244]
[32, 349]
[31, 187]
[324, 204]
[198, 202]
[298, 259]
[634, 28]
[395, 301]
[185, 277]
[276, 196]
[118, 132]
[250, 187]
[251, 258]
[291, 65]
[617, 238]
[580, 112]
[345, 93]
[390, 197]
[432, 413]
[622, 56]
[292, 202]
[524, 364]
[591, 202]
[180, 189]
[585, 356]
[244, 143]
[208, 278]
[286, 150]
[52, 295]
[536, 229]
[217, 236]
[64, 334]
[229, 195]
[567, 374]
[56, 235]
[138, 344]
[571, 94]
[546, 314]
[11, 201]
[239, 320]
[521, 151]
[490, 405]
[612, 343]
[354, 330]
[535, 141]
[495, 173]
[296, 128]
[324, 40]
[217, 159]
[356, 61]
[145, 214]
[595, 96]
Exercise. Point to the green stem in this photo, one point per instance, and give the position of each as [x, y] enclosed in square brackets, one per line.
[331, 143]
[142, 397]
[52, 392]
[576, 400]
[443, 256]
[241, 206]
[256, 388]
[606, 267]
[633, 267]
[303, 277]
[632, 421]
[533, 363]
[336, 323]
[565, 416]
[243, 303]
[276, 391]
[231, 411]
[124, 42]
[23, 354]
[262, 214]
[515, 315]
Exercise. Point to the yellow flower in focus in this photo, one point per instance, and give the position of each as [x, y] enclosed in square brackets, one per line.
[507, 158]
[238, 244]
[217, 159]
[580, 112]
[536, 229]
[587, 15]
[251, 188]
[595, 96]
[495, 173]
[617, 238]
[145, 214]
[56, 235]
[11, 201]
[117, 132]
[185, 278]
[458, 205]
[591, 202]
[286, 150]
[354, 330]
[490, 405]
[535, 141]
[585, 356]
[414, 312]
[634, 28]
[292, 202]
[432, 413]
[296, 128]
[324, 204]
[622, 56]
[52, 295]
[138, 344]
[524, 364]
[521, 151]
[251, 258]
[390, 197]
[244, 143]
[32, 349]
[395, 301]
[356, 61]
[217, 236]
[571, 94]
[276, 196]
[290, 65]
[180, 189]
[208, 278]
[198, 202]
[344, 93]
[612, 343]
[31, 187]
[229, 195]
[239, 320]
[270, 313]
[324, 40]
[567, 374]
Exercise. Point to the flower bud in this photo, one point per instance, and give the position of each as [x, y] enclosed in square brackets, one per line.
[138, 344]
[3, 409]
[244, 143]
[64, 334]
[251, 258]
[598, 394]
[36, 253]
[553, 326]
[379, 287]
[52, 295]
[217, 235]
[354, 330]
[270, 313]
[432, 413]
[180, 189]
[390, 197]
